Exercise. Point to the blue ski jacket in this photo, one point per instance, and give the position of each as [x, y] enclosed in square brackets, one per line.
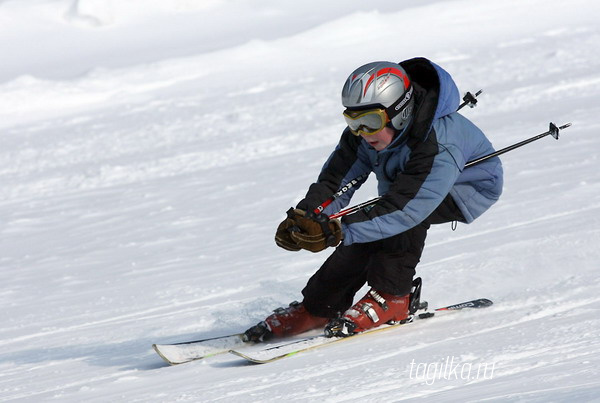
[418, 170]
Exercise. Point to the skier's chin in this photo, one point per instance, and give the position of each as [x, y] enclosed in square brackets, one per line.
[377, 145]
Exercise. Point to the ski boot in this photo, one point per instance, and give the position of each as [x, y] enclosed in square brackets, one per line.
[377, 308]
[284, 322]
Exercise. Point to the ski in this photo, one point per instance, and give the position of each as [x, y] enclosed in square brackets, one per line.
[180, 353]
[287, 349]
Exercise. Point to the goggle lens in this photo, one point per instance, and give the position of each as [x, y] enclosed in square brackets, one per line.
[366, 122]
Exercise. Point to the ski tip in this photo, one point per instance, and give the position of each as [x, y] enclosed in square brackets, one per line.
[486, 302]
[476, 303]
[250, 358]
[156, 348]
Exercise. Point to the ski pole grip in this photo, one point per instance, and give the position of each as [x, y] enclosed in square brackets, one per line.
[470, 100]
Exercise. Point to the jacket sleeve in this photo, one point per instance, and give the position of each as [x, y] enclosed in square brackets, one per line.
[417, 190]
[343, 165]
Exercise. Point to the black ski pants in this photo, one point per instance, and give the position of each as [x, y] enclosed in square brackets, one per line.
[388, 265]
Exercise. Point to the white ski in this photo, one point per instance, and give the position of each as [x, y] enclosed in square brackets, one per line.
[283, 350]
[180, 353]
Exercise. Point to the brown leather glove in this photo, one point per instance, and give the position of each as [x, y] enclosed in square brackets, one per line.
[316, 232]
[283, 237]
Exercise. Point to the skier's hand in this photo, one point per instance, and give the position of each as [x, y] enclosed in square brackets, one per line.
[283, 237]
[316, 232]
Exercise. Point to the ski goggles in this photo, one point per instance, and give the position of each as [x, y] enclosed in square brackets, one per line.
[367, 122]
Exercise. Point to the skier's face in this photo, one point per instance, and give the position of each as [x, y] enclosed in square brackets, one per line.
[381, 139]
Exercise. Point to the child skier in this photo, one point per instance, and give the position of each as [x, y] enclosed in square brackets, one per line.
[403, 126]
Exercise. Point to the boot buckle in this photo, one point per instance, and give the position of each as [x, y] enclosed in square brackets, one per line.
[370, 312]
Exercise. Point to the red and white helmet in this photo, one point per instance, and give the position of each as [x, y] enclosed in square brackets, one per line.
[381, 85]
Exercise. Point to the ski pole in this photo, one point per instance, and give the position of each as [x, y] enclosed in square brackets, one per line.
[340, 192]
[553, 131]
[323, 219]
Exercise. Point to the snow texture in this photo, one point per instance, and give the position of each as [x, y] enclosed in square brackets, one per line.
[148, 149]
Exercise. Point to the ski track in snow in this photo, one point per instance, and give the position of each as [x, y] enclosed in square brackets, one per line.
[140, 195]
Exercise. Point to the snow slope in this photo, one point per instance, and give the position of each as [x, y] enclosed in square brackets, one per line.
[142, 181]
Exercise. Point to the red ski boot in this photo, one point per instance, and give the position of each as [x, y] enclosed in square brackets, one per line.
[374, 309]
[285, 322]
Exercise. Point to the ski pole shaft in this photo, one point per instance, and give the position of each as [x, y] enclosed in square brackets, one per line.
[553, 131]
[340, 192]
[354, 209]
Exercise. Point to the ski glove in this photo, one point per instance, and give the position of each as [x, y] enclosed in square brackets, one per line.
[316, 232]
[283, 237]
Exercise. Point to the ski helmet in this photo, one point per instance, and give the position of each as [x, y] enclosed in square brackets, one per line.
[384, 85]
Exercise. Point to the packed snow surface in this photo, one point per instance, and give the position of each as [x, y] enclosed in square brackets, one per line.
[148, 150]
